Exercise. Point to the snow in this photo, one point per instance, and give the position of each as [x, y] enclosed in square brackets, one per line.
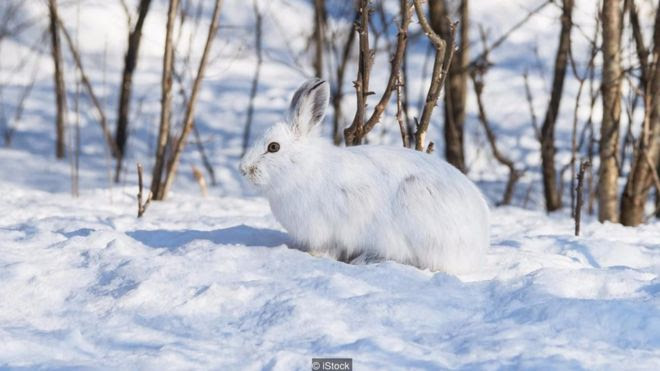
[209, 283]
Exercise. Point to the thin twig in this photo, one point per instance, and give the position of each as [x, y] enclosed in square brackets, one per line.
[11, 127]
[319, 35]
[127, 12]
[255, 78]
[400, 114]
[198, 140]
[580, 185]
[58, 74]
[353, 134]
[514, 175]
[508, 33]
[581, 80]
[199, 177]
[530, 104]
[397, 61]
[339, 92]
[165, 103]
[443, 57]
[640, 45]
[430, 148]
[142, 207]
[90, 91]
[437, 41]
[594, 93]
[190, 108]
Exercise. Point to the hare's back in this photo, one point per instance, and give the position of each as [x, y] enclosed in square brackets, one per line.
[425, 189]
[399, 165]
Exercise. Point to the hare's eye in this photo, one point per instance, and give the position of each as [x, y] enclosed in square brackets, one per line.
[273, 147]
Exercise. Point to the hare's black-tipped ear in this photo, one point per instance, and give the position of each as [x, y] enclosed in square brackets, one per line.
[308, 106]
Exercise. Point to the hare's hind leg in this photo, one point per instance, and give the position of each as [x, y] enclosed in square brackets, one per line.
[366, 257]
[427, 220]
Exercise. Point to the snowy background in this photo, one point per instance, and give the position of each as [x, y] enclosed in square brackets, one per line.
[208, 282]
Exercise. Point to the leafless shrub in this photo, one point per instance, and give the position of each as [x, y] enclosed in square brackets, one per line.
[160, 187]
[355, 133]
[255, 79]
[90, 90]
[340, 72]
[166, 103]
[442, 60]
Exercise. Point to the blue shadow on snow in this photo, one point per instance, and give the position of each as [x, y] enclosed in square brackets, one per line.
[236, 235]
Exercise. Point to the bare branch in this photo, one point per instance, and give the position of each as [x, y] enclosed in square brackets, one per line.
[514, 175]
[640, 46]
[397, 61]
[142, 207]
[126, 87]
[437, 41]
[198, 140]
[60, 89]
[190, 108]
[353, 134]
[339, 92]
[581, 80]
[11, 127]
[443, 57]
[127, 12]
[479, 58]
[90, 90]
[199, 177]
[579, 190]
[165, 102]
[530, 104]
[319, 33]
[257, 71]
[400, 116]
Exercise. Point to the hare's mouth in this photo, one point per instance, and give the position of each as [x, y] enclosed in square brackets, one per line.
[252, 174]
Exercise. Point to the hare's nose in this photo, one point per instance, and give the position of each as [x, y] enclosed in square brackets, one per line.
[245, 169]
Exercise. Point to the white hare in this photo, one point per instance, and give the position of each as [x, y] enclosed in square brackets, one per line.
[366, 203]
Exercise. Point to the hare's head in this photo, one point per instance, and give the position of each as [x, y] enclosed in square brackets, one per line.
[282, 146]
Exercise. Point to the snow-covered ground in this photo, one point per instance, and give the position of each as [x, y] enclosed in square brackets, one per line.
[209, 282]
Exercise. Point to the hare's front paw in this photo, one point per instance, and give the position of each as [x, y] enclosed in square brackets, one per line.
[322, 254]
[318, 254]
[332, 252]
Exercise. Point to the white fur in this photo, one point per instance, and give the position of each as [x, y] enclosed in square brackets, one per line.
[367, 203]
